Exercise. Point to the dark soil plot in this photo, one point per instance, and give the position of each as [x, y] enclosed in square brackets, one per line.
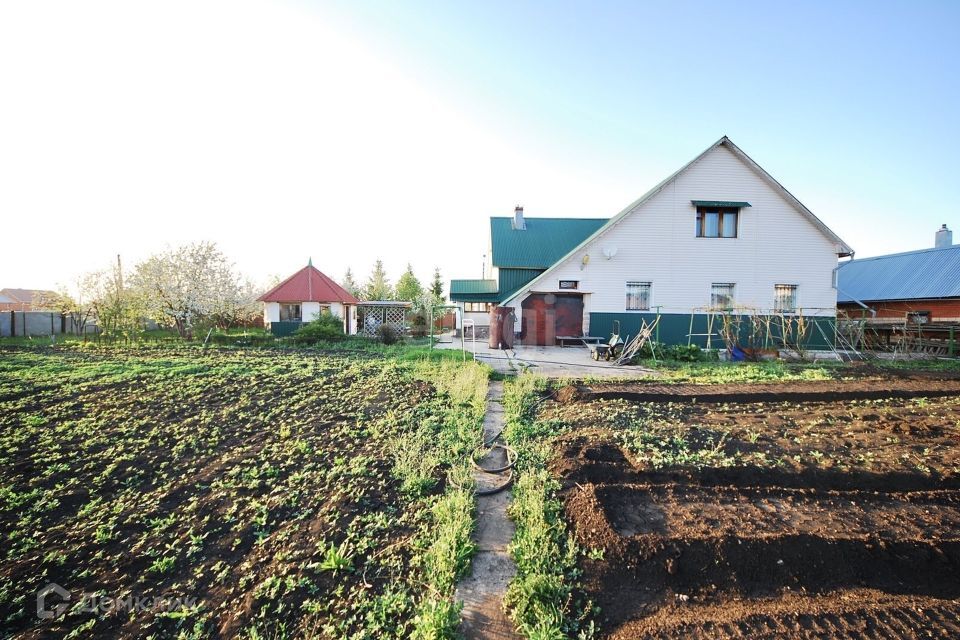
[836, 518]
[816, 391]
[256, 483]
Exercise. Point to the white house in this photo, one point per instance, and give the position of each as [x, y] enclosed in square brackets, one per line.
[720, 232]
[303, 297]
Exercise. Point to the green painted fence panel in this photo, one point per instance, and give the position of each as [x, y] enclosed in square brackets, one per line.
[674, 327]
[281, 329]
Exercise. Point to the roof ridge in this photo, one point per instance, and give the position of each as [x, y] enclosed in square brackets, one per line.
[338, 292]
[903, 253]
[333, 284]
[738, 153]
[281, 283]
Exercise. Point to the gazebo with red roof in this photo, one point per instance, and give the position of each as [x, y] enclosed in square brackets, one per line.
[304, 296]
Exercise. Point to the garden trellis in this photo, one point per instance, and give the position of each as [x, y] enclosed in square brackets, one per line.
[371, 315]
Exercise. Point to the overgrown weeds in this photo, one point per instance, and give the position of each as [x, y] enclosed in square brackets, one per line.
[443, 441]
[542, 597]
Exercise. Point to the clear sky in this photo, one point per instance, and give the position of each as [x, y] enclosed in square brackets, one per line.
[350, 131]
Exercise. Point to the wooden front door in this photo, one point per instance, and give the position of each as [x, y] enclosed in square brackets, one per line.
[548, 315]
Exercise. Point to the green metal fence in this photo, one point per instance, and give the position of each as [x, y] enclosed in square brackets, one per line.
[675, 328]
[281, 329]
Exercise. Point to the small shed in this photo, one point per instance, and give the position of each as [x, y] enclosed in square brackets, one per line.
[303, 297]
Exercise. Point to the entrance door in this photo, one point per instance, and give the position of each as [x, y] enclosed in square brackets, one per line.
[548, 315]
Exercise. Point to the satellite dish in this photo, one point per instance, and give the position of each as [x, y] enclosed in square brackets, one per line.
[609, 252]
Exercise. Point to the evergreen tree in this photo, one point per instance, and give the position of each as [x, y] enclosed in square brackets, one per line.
[350, 284]
[436, 287]
[378, 286]
[408, 287]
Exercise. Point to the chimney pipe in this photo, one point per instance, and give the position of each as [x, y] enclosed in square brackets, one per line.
[944, 238]
[518, 221]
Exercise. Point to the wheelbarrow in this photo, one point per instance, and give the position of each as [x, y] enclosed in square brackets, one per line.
[610, 349]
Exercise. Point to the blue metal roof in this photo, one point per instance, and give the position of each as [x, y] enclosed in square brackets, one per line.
[915, 275]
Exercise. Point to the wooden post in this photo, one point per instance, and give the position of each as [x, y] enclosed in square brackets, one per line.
[951, 350]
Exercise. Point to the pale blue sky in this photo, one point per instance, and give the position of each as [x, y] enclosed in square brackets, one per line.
[350, 131]
[854, 106]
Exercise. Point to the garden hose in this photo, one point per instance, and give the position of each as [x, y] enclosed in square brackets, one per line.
[486, 492]
[496, 489]
[491, 441]
[511, 454]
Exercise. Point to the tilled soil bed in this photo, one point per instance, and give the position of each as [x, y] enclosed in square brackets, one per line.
[813, 391]
[767, 520]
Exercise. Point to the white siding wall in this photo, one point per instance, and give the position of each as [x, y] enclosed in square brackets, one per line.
[308, 311]
[657, 243]
[271, 312]
[311, 310]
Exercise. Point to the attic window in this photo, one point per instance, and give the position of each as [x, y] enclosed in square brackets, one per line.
[569, 284]
[717, 222]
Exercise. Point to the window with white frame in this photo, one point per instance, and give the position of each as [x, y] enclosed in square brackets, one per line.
[784, 297]
[290, 312]
[721, 295]
[638, 296]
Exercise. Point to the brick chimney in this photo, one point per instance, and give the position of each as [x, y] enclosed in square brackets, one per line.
[944, 238]
[518, 221]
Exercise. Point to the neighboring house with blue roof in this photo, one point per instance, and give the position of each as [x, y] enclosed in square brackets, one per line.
[919, 286]
[719, 233]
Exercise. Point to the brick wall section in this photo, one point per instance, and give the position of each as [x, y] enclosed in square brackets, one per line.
[947, 310]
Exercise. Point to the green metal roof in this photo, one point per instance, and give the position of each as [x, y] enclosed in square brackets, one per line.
[719, 203]
[466, 287]
[541, 244]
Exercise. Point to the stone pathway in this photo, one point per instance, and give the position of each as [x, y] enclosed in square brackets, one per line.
[483, 590]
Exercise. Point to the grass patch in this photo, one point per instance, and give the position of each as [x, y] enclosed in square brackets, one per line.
[542, 597]
[740, 372]
[443, 440]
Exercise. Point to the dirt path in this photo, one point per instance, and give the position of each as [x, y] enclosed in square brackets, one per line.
[493, 568]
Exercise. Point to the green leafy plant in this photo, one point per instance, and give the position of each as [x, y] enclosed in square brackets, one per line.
[326, 328]
[387, 334]
[336, 558]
